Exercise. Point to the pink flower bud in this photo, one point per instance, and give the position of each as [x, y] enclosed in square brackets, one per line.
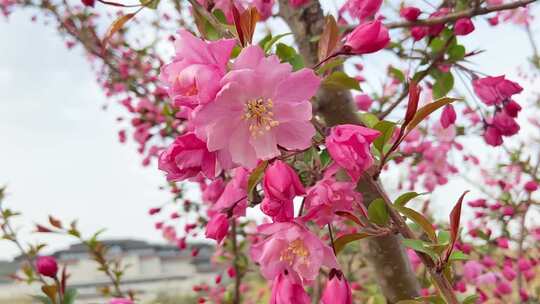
[153, 211]
[367, 38]
[531, 186]
[512, 108]
[363, 102]
[287, 288]
[120, 301]
[463, 27]
[47, 266]
[337, 289]
[502, 242]
[410, 13]
[493, 137]
[218, 227]
[509, 273]
[448, 116]
[88, 2]
[506, 125]
[281, 182]
[418, 32]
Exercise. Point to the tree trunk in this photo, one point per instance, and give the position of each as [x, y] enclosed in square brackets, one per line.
[386, 255]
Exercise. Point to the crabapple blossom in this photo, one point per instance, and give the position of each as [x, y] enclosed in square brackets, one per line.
[410, 13]
[495, 90]
[47, 266]
[290, 246]
[463, 27]
[361, 9]
[287, 289]
[337, 289]
[263, 104]
[349, 146]
[367, 38]
[218, 227]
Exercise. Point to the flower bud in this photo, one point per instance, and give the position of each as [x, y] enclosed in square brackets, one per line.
[367, 38]
[47, 266]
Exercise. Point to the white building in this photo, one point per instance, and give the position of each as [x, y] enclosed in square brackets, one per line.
[153, 269]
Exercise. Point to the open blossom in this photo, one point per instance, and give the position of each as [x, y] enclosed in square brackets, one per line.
[495, 90]
[292, 247]
[337, 289]
[287, 289]
[361, 9]
[328, 196]
[218, 227]
[186, 157]
[349, 146]
[262, 105]
[235, 194]
[193, 76]
[367, 38]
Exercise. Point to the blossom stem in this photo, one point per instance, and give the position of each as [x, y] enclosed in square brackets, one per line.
[331, 233]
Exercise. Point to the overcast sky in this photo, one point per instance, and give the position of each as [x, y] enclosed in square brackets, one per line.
[59, 152]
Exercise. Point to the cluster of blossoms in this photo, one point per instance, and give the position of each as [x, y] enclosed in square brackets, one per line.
[253, 110]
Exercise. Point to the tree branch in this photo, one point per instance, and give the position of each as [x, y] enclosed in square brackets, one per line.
[472, 12]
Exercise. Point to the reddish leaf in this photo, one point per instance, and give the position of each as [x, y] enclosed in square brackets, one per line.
[245, 23]
[55, 222]
[412, 106]
[329, 38]
[40, 228]
[116, 26]
[350, 216]
[238, 24]
[455, 217]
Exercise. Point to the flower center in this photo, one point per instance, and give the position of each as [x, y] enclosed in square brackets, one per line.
[295, 252]
[260, 116]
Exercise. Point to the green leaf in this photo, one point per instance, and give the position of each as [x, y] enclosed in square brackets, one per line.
[419, 245]
[152, 4]
[268, 45]
[403, 199]
[289, 54]
[396, 73]
[419, 219]
[456, 52]
[343, 240]
[220, 16]
[340, 80]
[330, 64]
[443, 84]
[369, 120]
[70, 296]
[470, 299]
[458, 256]
[437, 45]
[444, 237]
[378, 213]
[387, 130]
[255, 177]
[325, 158]
[43, 299]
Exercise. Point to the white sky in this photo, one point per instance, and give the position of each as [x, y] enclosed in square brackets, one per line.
[59, 152]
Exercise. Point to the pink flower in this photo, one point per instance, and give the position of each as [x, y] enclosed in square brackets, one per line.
[503, 287]
[361, 9]
[495, 90]
[367, 38]
[418, 32]
[297, 3]
[291, 246]
[186, 157]
[502, 242]
[509, 273]
[531, 186]
[493, 137]
[193, 76]
[328, 196]
[279, 211]
[512, 108]
[349, 146]
[281, 182]
[435, 30]
[88, 2]
[363, 102]
[287, 289]
[487, 279]
[213, 191]
[235, 194]
[337, 289]
[506, 125]
[463, 27]
[471, 270]
[448, 116]
[120, 301]
[410, 13]
[261, 106]
[218, 227]
[47, 266]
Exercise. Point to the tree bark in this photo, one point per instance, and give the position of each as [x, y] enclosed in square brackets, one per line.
[386, 255]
